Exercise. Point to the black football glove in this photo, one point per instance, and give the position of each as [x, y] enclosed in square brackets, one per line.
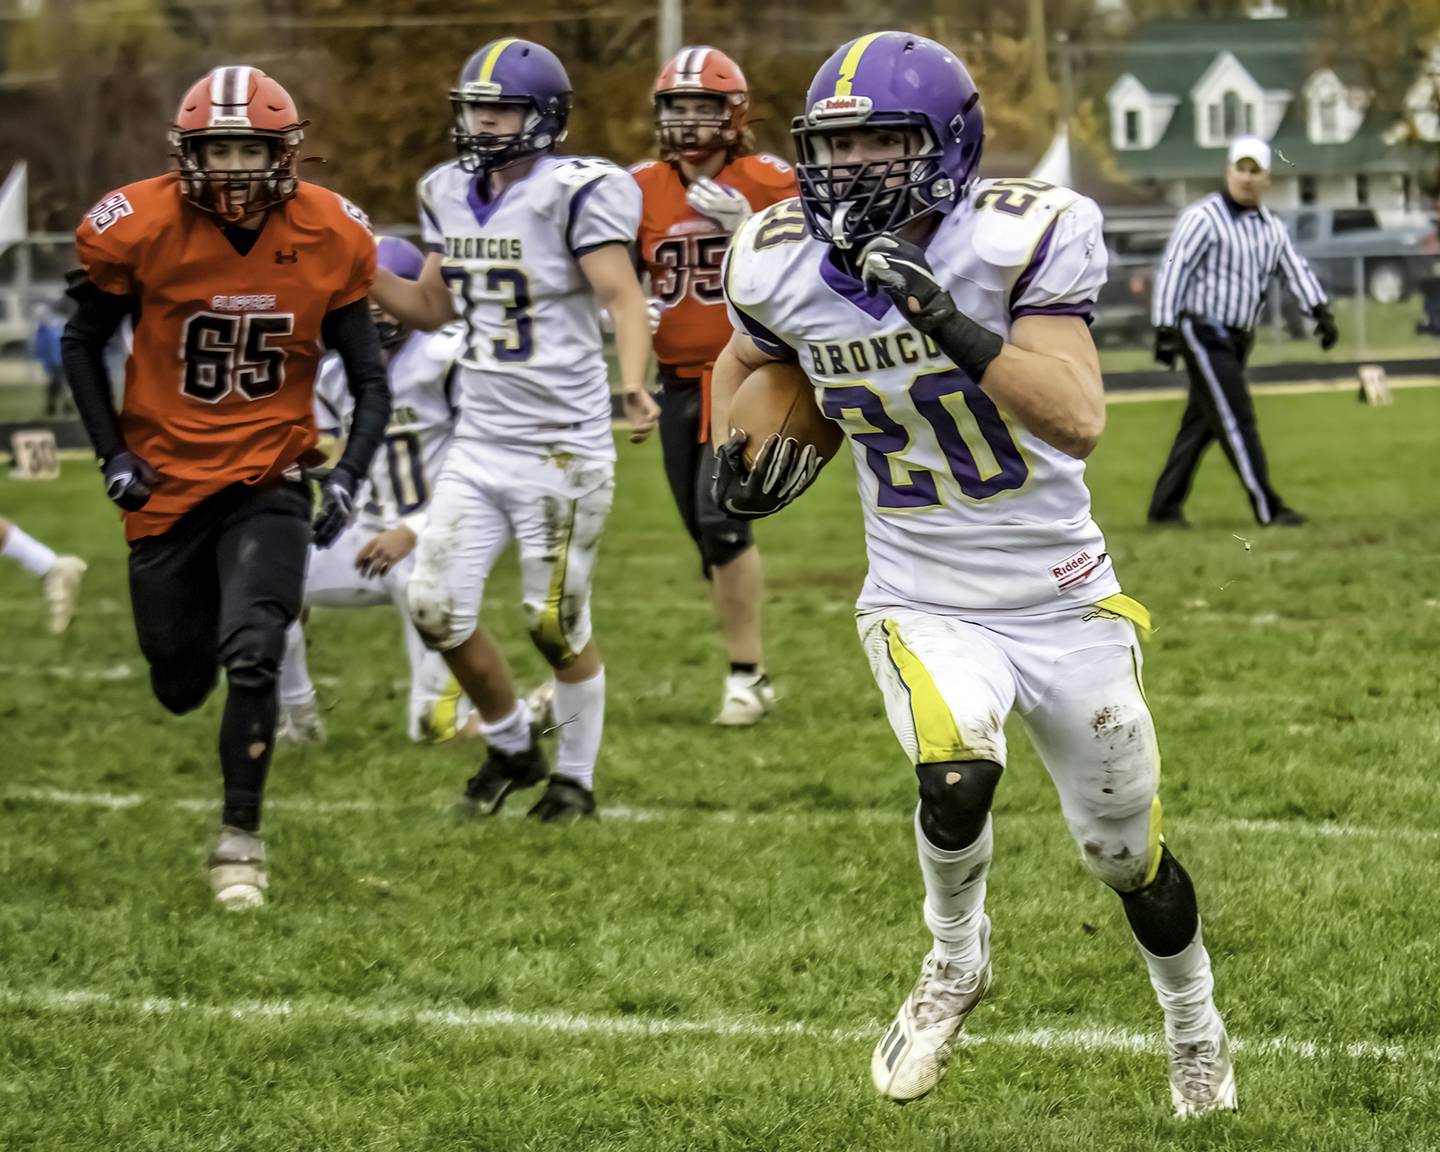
[1325, 326]
[1168, 345]
[128, 480]
[337, 502]
[900, 270]
[783, 469]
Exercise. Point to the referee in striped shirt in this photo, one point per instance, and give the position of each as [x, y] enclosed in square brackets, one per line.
[1208, 297]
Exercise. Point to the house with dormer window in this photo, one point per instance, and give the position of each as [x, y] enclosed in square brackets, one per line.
[1187, 87]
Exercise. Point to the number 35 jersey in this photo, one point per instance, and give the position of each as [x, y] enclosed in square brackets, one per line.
[219, 381]
[532, 372]
[965, 511]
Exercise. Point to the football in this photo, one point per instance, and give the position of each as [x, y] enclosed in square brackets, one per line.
[779, 398]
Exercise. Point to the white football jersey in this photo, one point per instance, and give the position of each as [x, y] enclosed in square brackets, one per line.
[422, 421]
[532, 370]
[965, 511]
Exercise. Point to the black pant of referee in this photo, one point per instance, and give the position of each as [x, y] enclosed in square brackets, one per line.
[1219, 409]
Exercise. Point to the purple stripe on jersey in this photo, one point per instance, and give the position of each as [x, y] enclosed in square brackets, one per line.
[1032, 270]
[1083, 308]
[577, 202]
[849, 288]
[429, 215]
[764, 339]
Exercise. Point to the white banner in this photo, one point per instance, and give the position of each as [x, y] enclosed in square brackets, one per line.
[13, 216]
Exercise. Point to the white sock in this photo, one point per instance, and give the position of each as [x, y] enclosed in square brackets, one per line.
[580, 717]
[955, 895]
[512, 734]
[1184, 986]
[28, 552]
[295, 686]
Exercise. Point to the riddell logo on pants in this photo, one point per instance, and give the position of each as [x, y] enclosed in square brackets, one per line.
[1073, 569]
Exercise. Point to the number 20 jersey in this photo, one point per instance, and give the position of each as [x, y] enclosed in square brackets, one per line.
[965, 511]
[219, 381]
[532, 372]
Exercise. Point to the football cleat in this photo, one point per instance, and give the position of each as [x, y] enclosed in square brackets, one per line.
[237, 869]
[301, 723]
[748, 699]
[564, 801]
[62, 591]
[501, 774]
[1202, 1078]
[541, 703]
[914, 1053]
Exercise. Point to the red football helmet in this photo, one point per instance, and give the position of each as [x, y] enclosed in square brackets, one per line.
[701, 71]
[237, 102]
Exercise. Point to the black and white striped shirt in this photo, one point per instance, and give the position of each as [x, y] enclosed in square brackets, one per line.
[1219, 262]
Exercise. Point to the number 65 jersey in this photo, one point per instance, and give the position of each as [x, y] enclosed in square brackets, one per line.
[965, 511]
[219, 382]
[532, 372]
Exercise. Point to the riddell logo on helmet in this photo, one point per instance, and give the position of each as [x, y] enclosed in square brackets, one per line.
[837, 106]
[229, 121]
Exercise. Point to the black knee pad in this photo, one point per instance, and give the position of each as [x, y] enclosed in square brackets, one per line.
[955, 799]
[721, 543]
[1163, 914]
[252, 657]
[182, 689]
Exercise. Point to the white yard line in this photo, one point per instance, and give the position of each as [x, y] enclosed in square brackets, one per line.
[621, 814]
[1297, 388]
[459, 1018]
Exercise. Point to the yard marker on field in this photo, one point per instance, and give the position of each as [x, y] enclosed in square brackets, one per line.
[460, 1018]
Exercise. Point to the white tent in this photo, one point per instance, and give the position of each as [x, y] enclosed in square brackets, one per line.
[1054, 166]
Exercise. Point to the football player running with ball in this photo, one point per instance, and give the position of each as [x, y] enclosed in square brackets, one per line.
[705, 185]
[532, 245]
[234, 272]
[943, 323]
[372, 562]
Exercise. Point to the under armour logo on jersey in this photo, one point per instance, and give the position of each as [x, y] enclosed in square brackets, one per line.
[109, 210]
[290, 257]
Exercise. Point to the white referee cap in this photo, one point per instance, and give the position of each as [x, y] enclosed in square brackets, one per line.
[1250, 148]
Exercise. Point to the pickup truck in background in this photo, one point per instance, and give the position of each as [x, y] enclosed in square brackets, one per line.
[1393, 259]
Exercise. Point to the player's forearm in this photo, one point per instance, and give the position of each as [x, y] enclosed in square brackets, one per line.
[632, 336]
[1055, 398]
[425, 304]
[82, 351]
[351, 332]
[736, 361]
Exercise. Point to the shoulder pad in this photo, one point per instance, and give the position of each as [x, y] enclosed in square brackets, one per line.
[642, 166]
[770, 161]
[582, 170]
[1016, 216]
[354, 212]
[116, 206]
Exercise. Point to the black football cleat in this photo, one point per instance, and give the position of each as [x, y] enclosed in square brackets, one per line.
[564, 802]
[1288, 518]
[501, 774]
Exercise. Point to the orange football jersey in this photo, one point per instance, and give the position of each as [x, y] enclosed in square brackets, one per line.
[219, 383]
[683, 251]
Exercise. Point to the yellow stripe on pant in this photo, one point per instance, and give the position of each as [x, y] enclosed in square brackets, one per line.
[550, 629]
[937, 736]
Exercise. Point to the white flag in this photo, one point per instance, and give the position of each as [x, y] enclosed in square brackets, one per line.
[13, 217]
[1054, 166]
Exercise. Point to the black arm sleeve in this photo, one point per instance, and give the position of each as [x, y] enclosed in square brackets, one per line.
[82, 351]
[351, 333]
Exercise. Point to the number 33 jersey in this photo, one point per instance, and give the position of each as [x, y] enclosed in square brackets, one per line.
[965, 511]
[219, 382]
[532, 372]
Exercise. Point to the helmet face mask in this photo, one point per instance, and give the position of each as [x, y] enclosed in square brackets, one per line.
[892, 132]
[503, 77]
[222, 119]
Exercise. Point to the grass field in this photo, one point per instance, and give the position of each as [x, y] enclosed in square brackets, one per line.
[708, 966]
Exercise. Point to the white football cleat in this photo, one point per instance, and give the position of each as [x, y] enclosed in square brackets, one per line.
[541, 702]
[237, 869]
[912, 1056]
[1202, 1078]
[62, 590]
[748, 699]
[301, 723]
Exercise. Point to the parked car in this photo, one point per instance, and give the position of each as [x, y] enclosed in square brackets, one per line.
[1392, 259]
[1122, 313]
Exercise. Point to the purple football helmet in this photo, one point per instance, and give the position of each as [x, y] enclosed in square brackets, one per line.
[513, 73]
[405, 260]
[897, 81]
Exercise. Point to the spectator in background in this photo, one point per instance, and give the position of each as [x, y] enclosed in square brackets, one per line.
[1208, 296]
[49, 325]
